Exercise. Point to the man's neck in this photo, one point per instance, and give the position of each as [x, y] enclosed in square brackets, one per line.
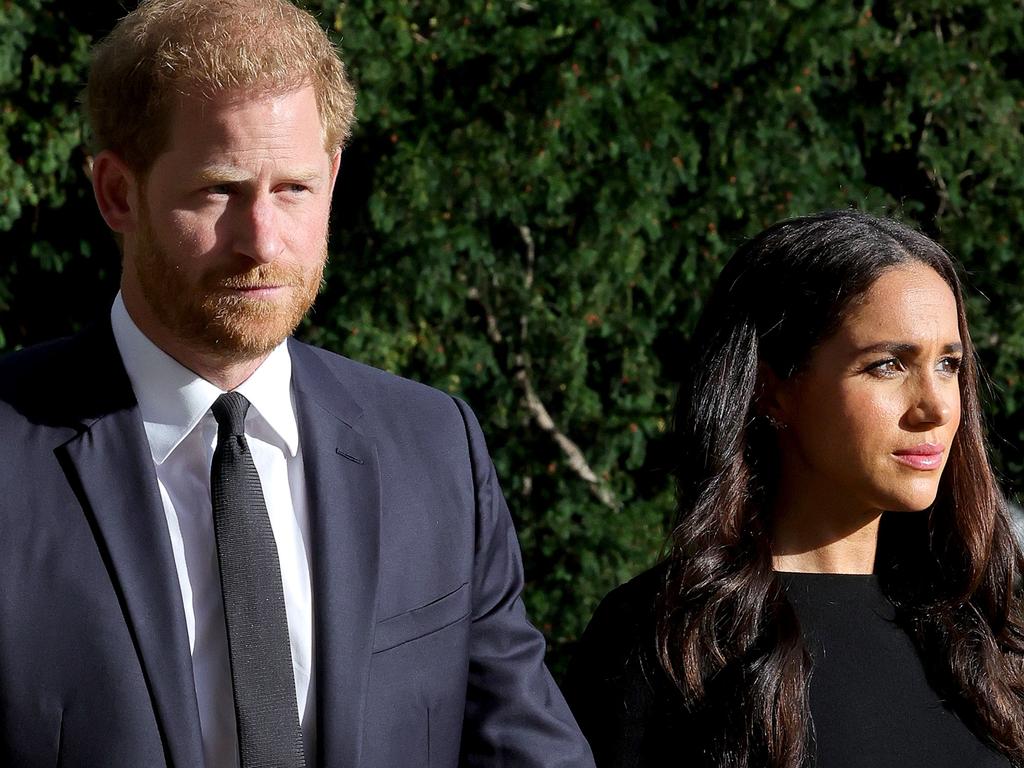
[225, 372]
[224, 375]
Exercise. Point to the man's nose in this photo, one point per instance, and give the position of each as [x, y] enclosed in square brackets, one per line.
[259, 235]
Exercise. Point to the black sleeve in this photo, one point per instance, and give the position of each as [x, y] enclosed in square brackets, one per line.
[613, 677]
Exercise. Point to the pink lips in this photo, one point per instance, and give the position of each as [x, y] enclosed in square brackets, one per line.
[924, 456]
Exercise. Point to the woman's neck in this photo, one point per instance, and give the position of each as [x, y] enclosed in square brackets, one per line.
[818, 533]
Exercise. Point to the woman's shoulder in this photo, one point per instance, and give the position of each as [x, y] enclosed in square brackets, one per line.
[615, 684]
[630, 606]
[622, 630]
[616, 657]
[640, 590]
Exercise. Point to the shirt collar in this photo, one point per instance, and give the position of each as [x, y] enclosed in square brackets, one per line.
[173, 400]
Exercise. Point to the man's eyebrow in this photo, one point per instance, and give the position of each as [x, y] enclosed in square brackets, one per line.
[229, 174]
[221, 174]
[904, 348]
[301, 174]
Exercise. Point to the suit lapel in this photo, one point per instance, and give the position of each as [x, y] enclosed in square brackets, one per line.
[344, 507]
[109, 464]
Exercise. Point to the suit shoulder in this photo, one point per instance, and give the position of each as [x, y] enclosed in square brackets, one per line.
[374, 381]
[38, 377]
[36, 363]
[66, 381]
[387, 397]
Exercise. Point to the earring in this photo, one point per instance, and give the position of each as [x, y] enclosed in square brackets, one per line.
[777, 425]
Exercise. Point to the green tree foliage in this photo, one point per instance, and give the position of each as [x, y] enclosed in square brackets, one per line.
[540, 192]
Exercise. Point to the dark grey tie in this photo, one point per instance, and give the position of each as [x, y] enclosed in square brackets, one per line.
[269, 735]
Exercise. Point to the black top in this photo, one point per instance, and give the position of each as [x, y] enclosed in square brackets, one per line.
[871, 704]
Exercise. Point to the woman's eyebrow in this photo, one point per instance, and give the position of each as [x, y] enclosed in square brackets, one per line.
[905, 348]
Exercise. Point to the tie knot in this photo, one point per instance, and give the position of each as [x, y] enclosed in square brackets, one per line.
[229, 410]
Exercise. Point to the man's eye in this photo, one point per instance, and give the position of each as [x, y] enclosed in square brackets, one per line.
[218, 189]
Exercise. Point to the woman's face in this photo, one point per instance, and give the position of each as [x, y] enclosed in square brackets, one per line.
[870, 421]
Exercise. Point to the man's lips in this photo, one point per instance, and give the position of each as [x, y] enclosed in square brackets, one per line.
[255, 290]
[924, 456]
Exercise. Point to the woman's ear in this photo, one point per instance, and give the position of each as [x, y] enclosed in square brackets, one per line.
[772, 396]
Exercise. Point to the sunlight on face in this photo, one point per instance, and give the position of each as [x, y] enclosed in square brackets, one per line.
[232, 240]
[870, 421]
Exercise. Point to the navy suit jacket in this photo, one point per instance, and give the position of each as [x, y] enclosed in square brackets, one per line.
[424, 655]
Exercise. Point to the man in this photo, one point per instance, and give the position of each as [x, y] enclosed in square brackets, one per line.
[219, 546]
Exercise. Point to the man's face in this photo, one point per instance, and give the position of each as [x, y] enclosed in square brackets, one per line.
[231, 240]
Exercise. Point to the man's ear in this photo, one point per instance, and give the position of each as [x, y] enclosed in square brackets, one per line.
[335, 165]
[116, 187]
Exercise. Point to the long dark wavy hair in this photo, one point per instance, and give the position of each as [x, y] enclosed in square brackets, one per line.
[727, 636]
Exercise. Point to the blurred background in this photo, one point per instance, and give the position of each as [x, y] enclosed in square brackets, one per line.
[539, 194]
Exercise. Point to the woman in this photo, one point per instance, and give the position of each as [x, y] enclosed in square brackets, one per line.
[841, 588]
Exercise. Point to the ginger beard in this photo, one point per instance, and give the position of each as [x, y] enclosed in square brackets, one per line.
[207, 312]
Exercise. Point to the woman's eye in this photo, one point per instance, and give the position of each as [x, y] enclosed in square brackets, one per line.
[950, 365]
[887, 368]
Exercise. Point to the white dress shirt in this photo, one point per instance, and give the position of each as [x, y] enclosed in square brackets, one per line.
[175, 407]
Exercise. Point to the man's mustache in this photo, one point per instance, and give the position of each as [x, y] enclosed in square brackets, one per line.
[262, 276]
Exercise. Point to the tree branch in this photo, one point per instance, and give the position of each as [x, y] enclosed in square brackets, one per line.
[522, 376]
[574, 456]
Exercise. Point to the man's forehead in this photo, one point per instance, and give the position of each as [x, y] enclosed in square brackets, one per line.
[232, 114]
[241, 135]
[199, 93]
[188, 110]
